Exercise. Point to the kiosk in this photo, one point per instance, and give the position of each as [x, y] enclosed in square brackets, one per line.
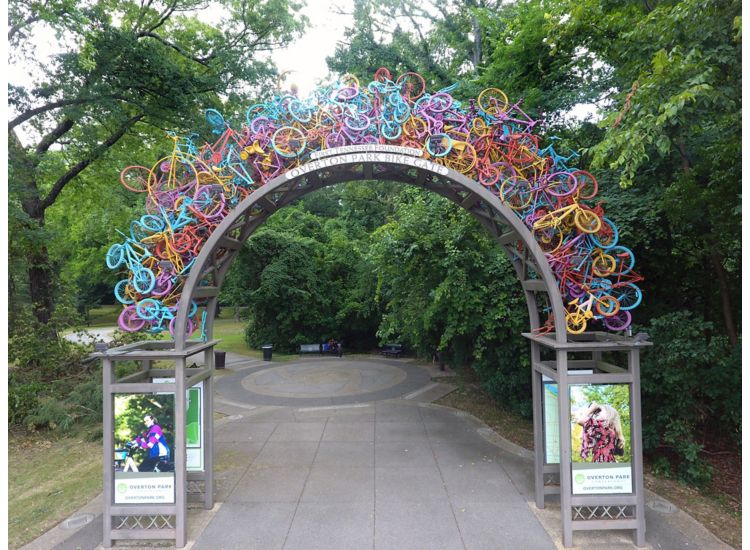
[153, 505]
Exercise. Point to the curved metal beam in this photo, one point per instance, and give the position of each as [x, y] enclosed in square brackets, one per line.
[219, 251]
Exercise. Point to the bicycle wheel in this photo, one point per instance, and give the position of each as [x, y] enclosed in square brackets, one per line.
[152, 223]
[439, 145]
[439, 103]
[390, 130]
[516, 193]
[575, 322]
[189, 327]
[136, 178]
[561, 184]
[382, 75]
[288, 142]
[489, 175]
[624, 257]
[603, 265]
[412, 85]
[148, 309]
[549, 238]
[461, 158]
[209, 202]
[357, 122]
[619, 321]
[415, 128]
[587, 220]
[300, 111]
[124, 292]
[493, 101]
[607, 306]
[162, 286]
[181, 242]
[587, 184]
[607, 235]
[115, 256]
[629, 296]
[143, 279]
[129, 321]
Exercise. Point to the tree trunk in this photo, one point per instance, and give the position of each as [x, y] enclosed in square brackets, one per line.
[41, 283]
[726, 298]
[477, 49]
[41, 279]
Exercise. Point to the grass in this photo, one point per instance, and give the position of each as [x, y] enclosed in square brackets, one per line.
[706, 506]
[230, 332]
[104, 316]
[52, 477]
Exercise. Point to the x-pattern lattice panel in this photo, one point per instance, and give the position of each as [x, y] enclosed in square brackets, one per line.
[615, 511]
[127, 523]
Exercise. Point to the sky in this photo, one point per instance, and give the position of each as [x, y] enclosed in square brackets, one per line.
[305, 59]
[303, 62]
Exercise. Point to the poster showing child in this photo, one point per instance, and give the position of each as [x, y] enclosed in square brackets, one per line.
[600, 438]
[143, 437]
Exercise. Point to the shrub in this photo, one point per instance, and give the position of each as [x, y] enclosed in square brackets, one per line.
[691, 393]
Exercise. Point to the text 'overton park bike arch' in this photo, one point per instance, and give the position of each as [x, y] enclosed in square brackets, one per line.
[203, 202]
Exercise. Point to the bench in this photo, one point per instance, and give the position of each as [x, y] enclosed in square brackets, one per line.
[392, 350]
[319, 348]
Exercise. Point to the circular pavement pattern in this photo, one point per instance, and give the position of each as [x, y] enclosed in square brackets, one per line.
[322, 381]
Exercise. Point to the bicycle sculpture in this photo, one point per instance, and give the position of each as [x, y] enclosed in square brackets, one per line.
[188, 193]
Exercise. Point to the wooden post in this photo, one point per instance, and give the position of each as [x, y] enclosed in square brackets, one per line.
[538, 409]
[634, 367]
[108, 448]
[180, 463]
[566, 485]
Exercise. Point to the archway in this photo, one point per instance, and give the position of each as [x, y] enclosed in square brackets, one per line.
[368, 162]
[484, 156]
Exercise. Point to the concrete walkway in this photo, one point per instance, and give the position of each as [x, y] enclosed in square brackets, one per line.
[373, 473]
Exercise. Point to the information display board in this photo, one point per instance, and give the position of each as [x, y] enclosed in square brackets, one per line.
[600, 439]
[143, 435]
[193, 424]
[552, 417]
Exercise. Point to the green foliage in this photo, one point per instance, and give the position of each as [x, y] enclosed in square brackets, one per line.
[304, 279]
[446, 286]
[690, 385]
[56, 405]
[22, 400]
[124, 71]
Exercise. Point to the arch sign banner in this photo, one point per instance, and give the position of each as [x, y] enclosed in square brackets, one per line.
[487, 139]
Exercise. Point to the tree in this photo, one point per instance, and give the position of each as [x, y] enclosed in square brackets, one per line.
[674, 125]
[124, 66]
[440, 40]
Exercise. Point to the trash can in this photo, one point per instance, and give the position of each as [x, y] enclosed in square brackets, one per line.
[267, 352]
[220, 358]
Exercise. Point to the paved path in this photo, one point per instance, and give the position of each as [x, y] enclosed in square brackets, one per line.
[102, 334]
[399, 473]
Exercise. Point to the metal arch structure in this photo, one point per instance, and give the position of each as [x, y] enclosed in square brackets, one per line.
[579, 512]
[216, 256]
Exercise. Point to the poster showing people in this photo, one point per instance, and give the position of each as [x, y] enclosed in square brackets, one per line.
[600, 439]
[143, 437]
